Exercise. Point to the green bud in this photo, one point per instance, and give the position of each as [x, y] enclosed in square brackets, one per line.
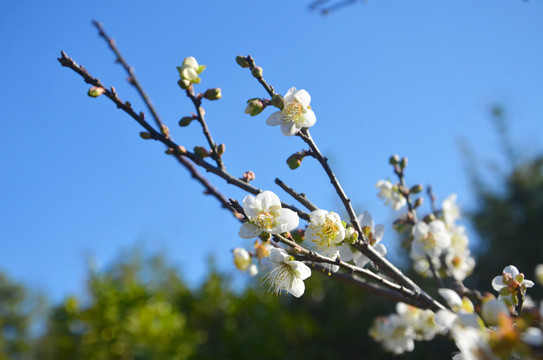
[264, 236]
[145, 135]
[183, 84]
[254, 106]
[416, 189]
[242, 61]
[181, 149]
[419, 202]
[169, 151]
[295, 160]
[257, 72]
[403, 163]
[95, 91]
[201, 151]
[278, 101]
[201, 68]
[164, 130]
[394, 159]
[213, 94]
[185, 121]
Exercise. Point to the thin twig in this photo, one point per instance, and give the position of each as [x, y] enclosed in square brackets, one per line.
[197, 101]
[301, 198]
[66, 61]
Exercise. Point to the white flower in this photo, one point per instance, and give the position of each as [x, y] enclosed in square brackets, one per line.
[394, 333]
[532, 336]
[286, 274]
[390, 194]
[296, 113]
[253, 270]
[430, 239]
[451, 211]
[492, 309]
[324, 232]
[460, 265]
[265, 214]
[422, 321]
[242, 259]
[510, 283]
[374, 236]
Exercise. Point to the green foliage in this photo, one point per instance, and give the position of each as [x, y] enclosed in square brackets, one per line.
[509, 222]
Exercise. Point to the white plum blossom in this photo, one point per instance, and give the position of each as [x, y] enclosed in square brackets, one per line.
[324, 232]
[390, 194]
[285, 274]
[374, 235]
[429, 239]
[451, 211]
[510, 283]
[242, 259]
[422, 321]
[532, 336]
[492, 309]
[265, 214]
[394, 334]
[190, 70]
[296, 113]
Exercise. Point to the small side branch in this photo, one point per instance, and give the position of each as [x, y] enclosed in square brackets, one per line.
[301, 198]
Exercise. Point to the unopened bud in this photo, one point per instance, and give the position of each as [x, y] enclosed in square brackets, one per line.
[403, 163]
[248, 176]
[261, 250]
[95, 91]
[394, 159]
[278, 101]
[351, 236]
[181, 149]
[257, 72]
[416, 189]
[169, 151]
[201, 151]
[164, 130]
[419, 202]
[145, 135]
[254, 106]
[220, 149]
[242, 61]
[265, 236]
[295, 160]
[185, 121]
[183, 84]
[213, 94]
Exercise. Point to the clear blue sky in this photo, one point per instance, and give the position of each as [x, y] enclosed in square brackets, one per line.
[409, 77]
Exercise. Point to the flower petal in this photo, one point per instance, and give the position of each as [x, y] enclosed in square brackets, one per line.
[345, 252]
[302, 97]
[249, 206]
[302, 270]
[497, 283]
[278, 255]
[289, 128]
[248, 231]
[287, 221]
[297, 288]
[289, 97]
[420, 230]
[512, 270]
[309, 118]
[275, 119]
[379, 232]
[268, 199]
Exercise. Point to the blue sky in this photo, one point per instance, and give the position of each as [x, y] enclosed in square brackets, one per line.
[385, 77]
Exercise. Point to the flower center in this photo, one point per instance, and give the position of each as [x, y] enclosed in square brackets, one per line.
[280, 278]
[292, 111]
[327, 233]
[429, 241]
[264, 220]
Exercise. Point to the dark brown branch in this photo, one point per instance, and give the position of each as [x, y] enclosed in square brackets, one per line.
[302, 199]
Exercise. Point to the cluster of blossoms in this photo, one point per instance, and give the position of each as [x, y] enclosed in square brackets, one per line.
[442, 245]
[398, 332]
[491, 332]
